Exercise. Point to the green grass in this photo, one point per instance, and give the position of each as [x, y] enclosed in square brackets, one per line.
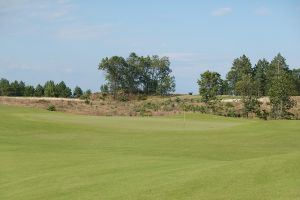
[49, 155]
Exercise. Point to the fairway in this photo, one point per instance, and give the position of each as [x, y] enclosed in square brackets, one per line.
[51, 155]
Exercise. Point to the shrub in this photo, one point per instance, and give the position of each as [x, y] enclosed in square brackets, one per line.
[51, 108]
[263, 114]
[229, 105]
[142, 97]
[194, 108]
[87, 101]
[122, 96]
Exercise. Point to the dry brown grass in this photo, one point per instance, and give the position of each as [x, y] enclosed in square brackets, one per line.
[107, 106]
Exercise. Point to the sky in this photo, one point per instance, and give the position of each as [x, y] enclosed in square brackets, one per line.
[65, 40]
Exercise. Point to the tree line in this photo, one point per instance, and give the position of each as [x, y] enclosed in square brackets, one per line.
[273, 79]
[150, 75]
[50, 89]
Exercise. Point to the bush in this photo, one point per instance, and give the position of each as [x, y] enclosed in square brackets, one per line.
[51, 108]
[263, 114]
[194, 108]
[142, 97]
[229, 105]
[232, 113]
[122, 96]
[87, 101]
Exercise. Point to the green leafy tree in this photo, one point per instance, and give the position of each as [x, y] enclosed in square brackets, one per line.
[104, 88]
[77, 93]
[114, 68]
[241, 66]
[225, 90]
[149, 75]
[49, 89]
[86, 96]
[275, 68]
[61, 90]
[29, 91]
[88, 92]
[4, 87]
[296, 77]
[209, 85]
[39, 91]
[165, 82]
[246, 87]
[17, 88]
[281, 89]
[260, 77]
[166, 85]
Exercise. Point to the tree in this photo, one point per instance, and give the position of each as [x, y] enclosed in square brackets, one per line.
[280, 87]
[246, 87]
[49, 89]
[114, 68]
[4, 87]
[209, 85]
[280, 92]
[77, 93]
[274, 69]
[88, 92]
[16, 88]
[86, 95]
[296, 77]
[165, 82]
[29, 91]
[104, 88]
[224, 88]
[149, 75]
[260, 77]
[241, 66]
[166, 85]
[61, 90]
[39, 91]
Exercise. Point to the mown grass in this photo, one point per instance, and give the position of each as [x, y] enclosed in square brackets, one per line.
[50, 155]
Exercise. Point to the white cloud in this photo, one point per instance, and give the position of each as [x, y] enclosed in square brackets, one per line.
[263, 12]
[221, 11]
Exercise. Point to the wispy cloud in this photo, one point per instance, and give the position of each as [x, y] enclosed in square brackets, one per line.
[16, 11]
[263, 12]
[182, 57]
[17, 65]
[221, 11]
[29, 66]
[84, 32]
[193, 58]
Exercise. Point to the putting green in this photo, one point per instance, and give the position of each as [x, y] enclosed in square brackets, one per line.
[50, 155]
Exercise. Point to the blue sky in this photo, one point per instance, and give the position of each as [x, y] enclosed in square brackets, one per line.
[66, 39]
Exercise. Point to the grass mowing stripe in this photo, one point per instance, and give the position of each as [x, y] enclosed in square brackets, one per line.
[50, 155]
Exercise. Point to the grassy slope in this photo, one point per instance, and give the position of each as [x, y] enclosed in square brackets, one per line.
[46, 155]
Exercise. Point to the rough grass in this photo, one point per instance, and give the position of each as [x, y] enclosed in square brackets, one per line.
[50, 155]
[100, 105]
